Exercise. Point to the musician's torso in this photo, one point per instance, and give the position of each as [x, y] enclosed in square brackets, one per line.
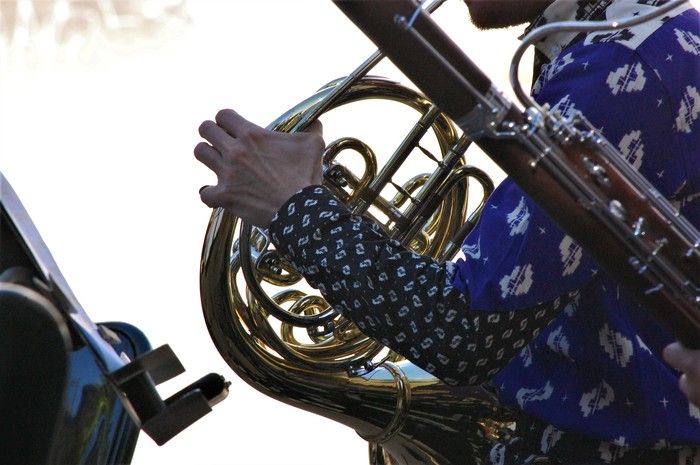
[597, 368]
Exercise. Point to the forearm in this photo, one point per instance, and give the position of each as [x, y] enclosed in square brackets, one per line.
[404, 300]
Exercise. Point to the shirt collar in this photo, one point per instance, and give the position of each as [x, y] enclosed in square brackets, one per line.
[567, 10]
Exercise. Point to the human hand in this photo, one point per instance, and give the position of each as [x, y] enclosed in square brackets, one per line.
[686, 361]
[257, 170]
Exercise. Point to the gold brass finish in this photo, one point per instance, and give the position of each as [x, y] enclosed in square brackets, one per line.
[295, 348]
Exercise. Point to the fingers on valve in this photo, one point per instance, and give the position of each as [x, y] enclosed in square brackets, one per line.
[208, 155]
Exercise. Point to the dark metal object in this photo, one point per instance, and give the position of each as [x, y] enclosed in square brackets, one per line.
[73, 392]
[56, 404]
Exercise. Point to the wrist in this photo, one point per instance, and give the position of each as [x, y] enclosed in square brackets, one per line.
[293, 198]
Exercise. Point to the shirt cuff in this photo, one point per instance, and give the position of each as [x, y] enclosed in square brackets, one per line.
[297, 221]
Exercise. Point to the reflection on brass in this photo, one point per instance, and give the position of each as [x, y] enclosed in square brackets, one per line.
[293, 347]
[496, 430]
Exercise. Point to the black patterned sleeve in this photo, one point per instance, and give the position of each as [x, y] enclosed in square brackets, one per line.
[401, 299]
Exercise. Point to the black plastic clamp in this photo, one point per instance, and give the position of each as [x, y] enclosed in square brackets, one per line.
[162, 419]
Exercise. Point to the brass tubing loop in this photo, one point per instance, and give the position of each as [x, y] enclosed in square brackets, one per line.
[294, 347]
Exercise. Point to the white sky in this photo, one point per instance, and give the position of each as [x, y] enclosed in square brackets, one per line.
[99, 149]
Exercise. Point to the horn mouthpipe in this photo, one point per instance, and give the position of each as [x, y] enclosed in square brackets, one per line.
[412, 49]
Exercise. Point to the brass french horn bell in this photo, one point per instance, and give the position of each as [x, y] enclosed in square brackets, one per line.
[291, 345]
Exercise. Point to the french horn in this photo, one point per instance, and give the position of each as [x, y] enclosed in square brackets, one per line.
[294, 348]
[290, 345]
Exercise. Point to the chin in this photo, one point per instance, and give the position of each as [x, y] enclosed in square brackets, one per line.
[493, 14]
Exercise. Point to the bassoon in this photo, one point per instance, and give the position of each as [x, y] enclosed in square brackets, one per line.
[565, 164]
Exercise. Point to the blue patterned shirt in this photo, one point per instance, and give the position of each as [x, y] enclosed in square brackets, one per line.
[597, 369]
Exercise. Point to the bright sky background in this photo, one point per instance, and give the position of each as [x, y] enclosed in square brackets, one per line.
[97, 141]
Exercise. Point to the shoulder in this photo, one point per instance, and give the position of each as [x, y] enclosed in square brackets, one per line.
[641, 36]
[660, 53]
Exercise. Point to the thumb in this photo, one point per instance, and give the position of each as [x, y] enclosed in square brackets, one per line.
[315, 128]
